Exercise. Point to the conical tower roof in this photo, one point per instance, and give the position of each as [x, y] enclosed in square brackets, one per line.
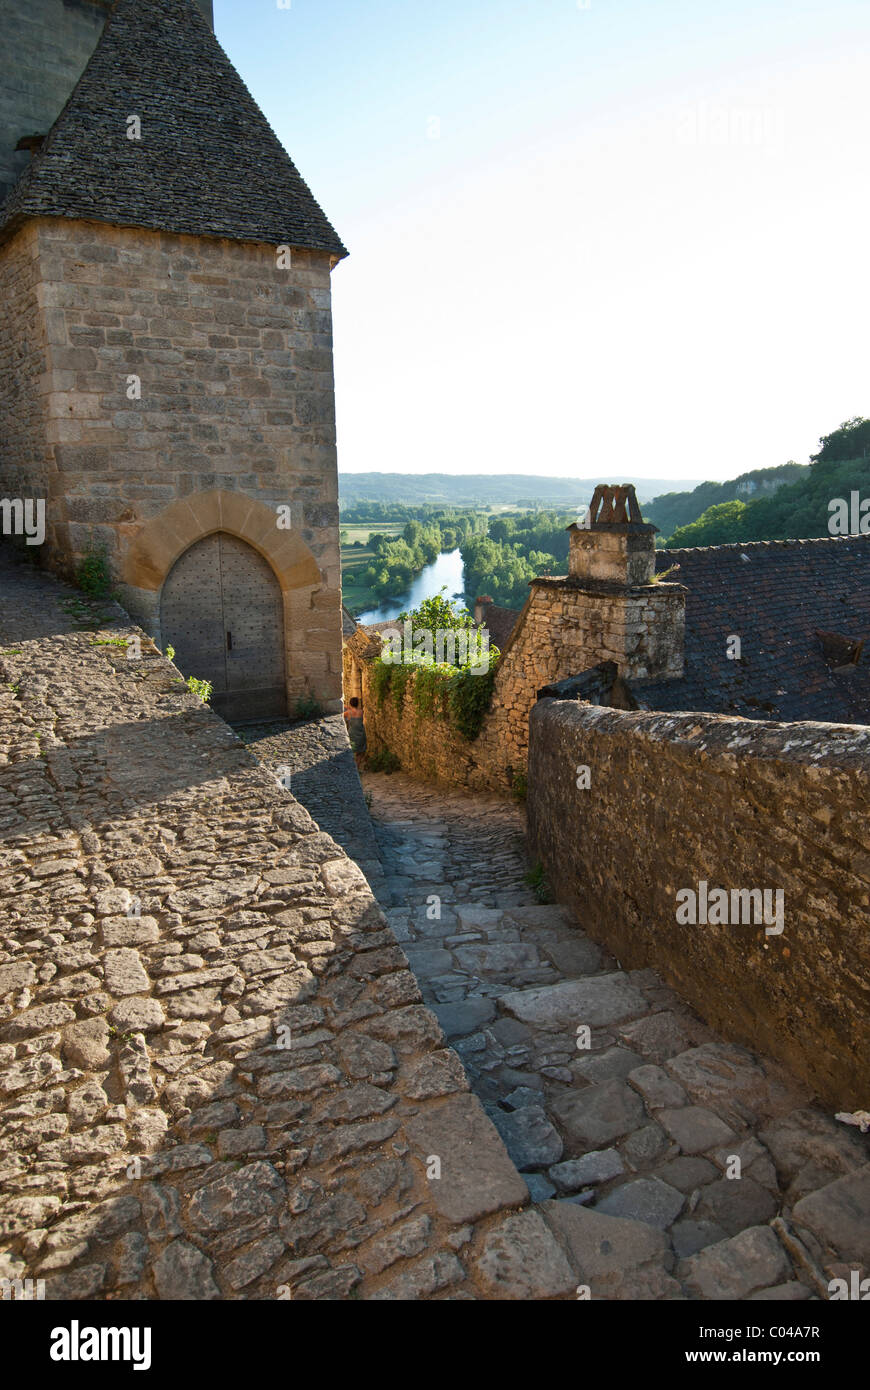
[208, 162]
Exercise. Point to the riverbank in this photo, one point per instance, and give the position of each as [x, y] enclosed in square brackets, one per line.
[446, 572]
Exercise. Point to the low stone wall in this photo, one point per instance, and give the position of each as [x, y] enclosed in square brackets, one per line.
[677, 801]
[427, 747]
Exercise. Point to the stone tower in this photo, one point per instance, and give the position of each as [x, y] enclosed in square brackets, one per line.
[166, 378]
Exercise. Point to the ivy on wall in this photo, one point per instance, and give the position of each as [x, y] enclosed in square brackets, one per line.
[460, 695]
[439, 691]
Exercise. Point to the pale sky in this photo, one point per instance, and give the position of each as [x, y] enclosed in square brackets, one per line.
[630, 234]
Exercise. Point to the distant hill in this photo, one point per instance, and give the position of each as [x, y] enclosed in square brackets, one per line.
[838, 474]
[675, 509]
[799, 511]
[488, 489]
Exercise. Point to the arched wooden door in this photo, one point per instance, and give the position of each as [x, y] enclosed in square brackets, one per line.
[222, 611]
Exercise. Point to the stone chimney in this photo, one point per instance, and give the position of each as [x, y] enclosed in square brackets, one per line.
[480, 607]
[613, 542]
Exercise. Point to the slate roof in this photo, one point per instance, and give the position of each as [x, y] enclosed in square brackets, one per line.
[208, 163]
[775, 596]
[499, 623]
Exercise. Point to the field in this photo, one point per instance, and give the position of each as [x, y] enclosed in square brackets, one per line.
[358, 597]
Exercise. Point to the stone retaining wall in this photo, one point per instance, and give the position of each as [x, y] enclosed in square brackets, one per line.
[674, 800]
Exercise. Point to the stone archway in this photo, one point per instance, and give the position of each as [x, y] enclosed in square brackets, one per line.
[309, 597]
[221, 610]
[153, 549]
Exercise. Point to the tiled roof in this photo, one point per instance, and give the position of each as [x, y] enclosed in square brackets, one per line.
[775, 596]
[600, 685]
[499, 623]
[208, 163]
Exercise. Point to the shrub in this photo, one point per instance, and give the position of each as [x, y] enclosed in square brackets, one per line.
[201, 689]
[381, 674]
[92, 574]
[536, 879]
[468, 698]
[383, 761]
[459, 694]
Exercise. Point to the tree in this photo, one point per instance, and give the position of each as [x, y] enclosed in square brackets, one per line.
[718, 525]
[850, 441]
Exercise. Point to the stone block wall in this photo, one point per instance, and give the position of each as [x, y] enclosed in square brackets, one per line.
[676, 800]
[24, 450]
[427, 747]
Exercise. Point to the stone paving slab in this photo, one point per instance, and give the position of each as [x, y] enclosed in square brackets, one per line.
[722, 1178]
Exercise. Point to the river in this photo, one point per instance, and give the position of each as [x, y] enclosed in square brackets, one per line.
[447, 570]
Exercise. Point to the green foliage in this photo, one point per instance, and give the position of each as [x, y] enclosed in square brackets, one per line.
[675, 509]
[459, 694]
[798, 511]
[468, 698]
[381, 678]
[401, 677]
[536, 879]
[201, 689]
[383, 761]
[170, 653]
[92, 574]
[517, 549]
[308, 708]
[430, 692]
[664, 575]
[850, 441]
[520, 786]
[397, 561]
[438, 614]
[718, 526]
[390, 559]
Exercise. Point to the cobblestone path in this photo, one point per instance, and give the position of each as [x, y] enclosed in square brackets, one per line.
[218, 1079]
[316, 764]
[643, 1124]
